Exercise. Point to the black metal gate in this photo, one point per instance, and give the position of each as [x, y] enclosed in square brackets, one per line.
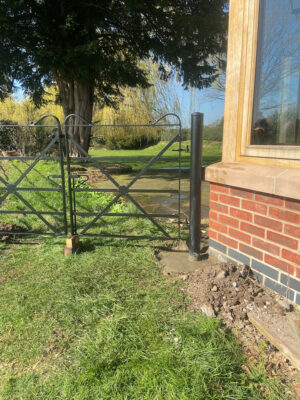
[70, 181]
[20, 197]
[119, 191]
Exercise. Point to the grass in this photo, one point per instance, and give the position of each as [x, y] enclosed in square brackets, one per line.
[85, 202]
[212, 152]
[105, 324]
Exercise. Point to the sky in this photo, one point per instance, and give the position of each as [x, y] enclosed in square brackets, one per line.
[198, 101]
[213, 109]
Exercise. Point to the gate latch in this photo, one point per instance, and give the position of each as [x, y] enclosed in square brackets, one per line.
[82, 179]
[54, 177]
[186, 150]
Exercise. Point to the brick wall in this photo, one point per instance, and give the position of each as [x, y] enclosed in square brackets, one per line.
[260, 230]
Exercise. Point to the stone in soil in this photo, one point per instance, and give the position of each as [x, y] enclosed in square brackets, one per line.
[232, 292]
[6, 227]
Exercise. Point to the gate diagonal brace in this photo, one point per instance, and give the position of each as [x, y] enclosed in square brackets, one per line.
[123, 190]
[12, 188]
[119, 189]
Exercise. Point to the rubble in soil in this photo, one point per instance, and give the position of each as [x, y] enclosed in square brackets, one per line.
[230, 292]
[94, 175]
[7, 228]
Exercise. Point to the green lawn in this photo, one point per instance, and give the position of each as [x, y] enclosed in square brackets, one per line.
[51, 201]
[212, 152]
[105, 324]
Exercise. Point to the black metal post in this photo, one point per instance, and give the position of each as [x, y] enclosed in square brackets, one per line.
[195, 185]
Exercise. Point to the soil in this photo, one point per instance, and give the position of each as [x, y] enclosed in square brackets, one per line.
[94, 174]
[6, 227]
[231, 292]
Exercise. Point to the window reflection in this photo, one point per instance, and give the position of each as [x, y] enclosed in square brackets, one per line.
[276, 113]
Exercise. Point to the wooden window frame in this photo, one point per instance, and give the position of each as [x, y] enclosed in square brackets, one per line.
[240, 80]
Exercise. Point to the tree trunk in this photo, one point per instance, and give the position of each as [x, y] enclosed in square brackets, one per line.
[77, 98]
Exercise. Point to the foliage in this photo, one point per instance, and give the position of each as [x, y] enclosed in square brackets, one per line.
[130, 138]
[214, 131]
[24, 111]
[6, 134]
[25, 140]
[94, 50]
[102, 44]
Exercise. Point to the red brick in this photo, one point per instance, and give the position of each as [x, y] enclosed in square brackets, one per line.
[298, 273]
[282, 240]
[284, 215]
[212, 234]
[224, 219]
[245, 215]
[292, 230]
[213, 215]
[214, 196]
[229, 242]
[253, 206]
[242, 237]
[268, 223]
[280, 264]
[218, 227]
[293, 205]
[266, 246]
[245, 194]
[289, 255]
[218, 188]
[251, 251]
[218, 207]
[269, 199]
[232, 201]
[254, 230]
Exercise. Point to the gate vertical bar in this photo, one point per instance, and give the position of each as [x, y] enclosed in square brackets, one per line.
[62, 172]
[72, 227]
[195, 185]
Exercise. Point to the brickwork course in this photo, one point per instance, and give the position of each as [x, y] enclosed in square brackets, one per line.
[260, 230]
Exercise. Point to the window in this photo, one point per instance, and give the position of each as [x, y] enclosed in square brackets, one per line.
[276, 109]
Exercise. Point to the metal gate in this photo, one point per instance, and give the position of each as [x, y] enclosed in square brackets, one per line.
[21, 198]
[119, 191]
[72, 183]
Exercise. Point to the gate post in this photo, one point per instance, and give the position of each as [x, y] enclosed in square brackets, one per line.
[195, 185]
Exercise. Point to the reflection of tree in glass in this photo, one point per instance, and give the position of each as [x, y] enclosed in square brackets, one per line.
[277, 76]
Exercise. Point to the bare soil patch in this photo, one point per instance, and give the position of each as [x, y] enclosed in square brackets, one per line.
[95, 175]
[231, 293]
[7, 227]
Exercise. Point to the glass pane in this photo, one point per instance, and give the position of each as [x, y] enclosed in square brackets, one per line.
[277, 85]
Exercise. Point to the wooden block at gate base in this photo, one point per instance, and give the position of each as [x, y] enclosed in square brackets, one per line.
[72, 242]
[72, 245]
[68, 251]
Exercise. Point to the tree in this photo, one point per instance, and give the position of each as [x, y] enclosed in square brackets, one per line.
[91, 48]
[217, 90]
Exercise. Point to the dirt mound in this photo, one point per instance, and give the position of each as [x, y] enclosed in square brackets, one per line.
[230, 291]
[94, 174]
[7, 228]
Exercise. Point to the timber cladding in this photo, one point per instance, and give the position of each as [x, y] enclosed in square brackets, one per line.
[260, 230]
